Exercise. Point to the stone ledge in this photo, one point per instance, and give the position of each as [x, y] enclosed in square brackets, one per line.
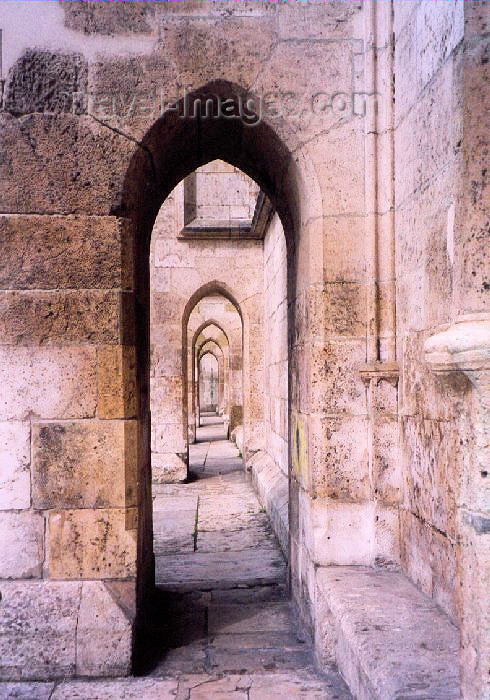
[237, 436]
[272, 489]
[388, 639]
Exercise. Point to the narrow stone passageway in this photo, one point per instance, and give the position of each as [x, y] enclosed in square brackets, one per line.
[221, 578]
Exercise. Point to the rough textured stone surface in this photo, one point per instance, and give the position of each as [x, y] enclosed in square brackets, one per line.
[384, 244]
[46, 252]
[104, 633]
[116, 376]
[84, 464]
[15, 458]
[29, 612]
[44, 81]
[47, 382]
[26, 691]
[90, 544]
[61, 318]
[388, 638]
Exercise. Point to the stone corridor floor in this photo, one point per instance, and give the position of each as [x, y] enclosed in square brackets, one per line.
[224, 627]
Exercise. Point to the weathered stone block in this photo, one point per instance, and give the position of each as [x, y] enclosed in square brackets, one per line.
[102, 20]
[83, 174]
[335, 384]
[38, 629]
[21, 545]
[47, 382]
[167, 395]
[57, 252]
[168, 468]
[44, 81]
[344, 258]
[339, 457]
[90, 544]
[15, 459]
[433, 468]
[84, 464]
[24, 690]
[116, 377]
[339, 533]
[129, 689]
[104, 633]
[386, 468]
[63, 318]
[168, 437]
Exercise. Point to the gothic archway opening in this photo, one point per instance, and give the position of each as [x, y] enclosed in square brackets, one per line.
[170, 153]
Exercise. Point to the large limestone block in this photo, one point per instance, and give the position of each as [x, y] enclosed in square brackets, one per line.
[104, 633]
[129, 689]
[44, 81]
[166, 395]
[47, 382]
[339, 457]
[15, 457]
[116, 379]
[339, 533]
[21, 545]
[168, 437]
[336, 386]
[91, 544]
[61, 164]
[433, 468]
[390, 641]
[57, 252]
[84, 464]
[430, 558]
[63, 317]
[24, 690]
[38, 629]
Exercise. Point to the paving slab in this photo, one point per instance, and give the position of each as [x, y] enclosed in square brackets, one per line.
[117, 689]
[261, 617]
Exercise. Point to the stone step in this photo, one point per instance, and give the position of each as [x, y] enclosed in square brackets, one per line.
[215, 570]
[389, 640]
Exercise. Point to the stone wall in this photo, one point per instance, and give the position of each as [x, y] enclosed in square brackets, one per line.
[428, 141]
[68, 445]
[443, 284]
[81, 189]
